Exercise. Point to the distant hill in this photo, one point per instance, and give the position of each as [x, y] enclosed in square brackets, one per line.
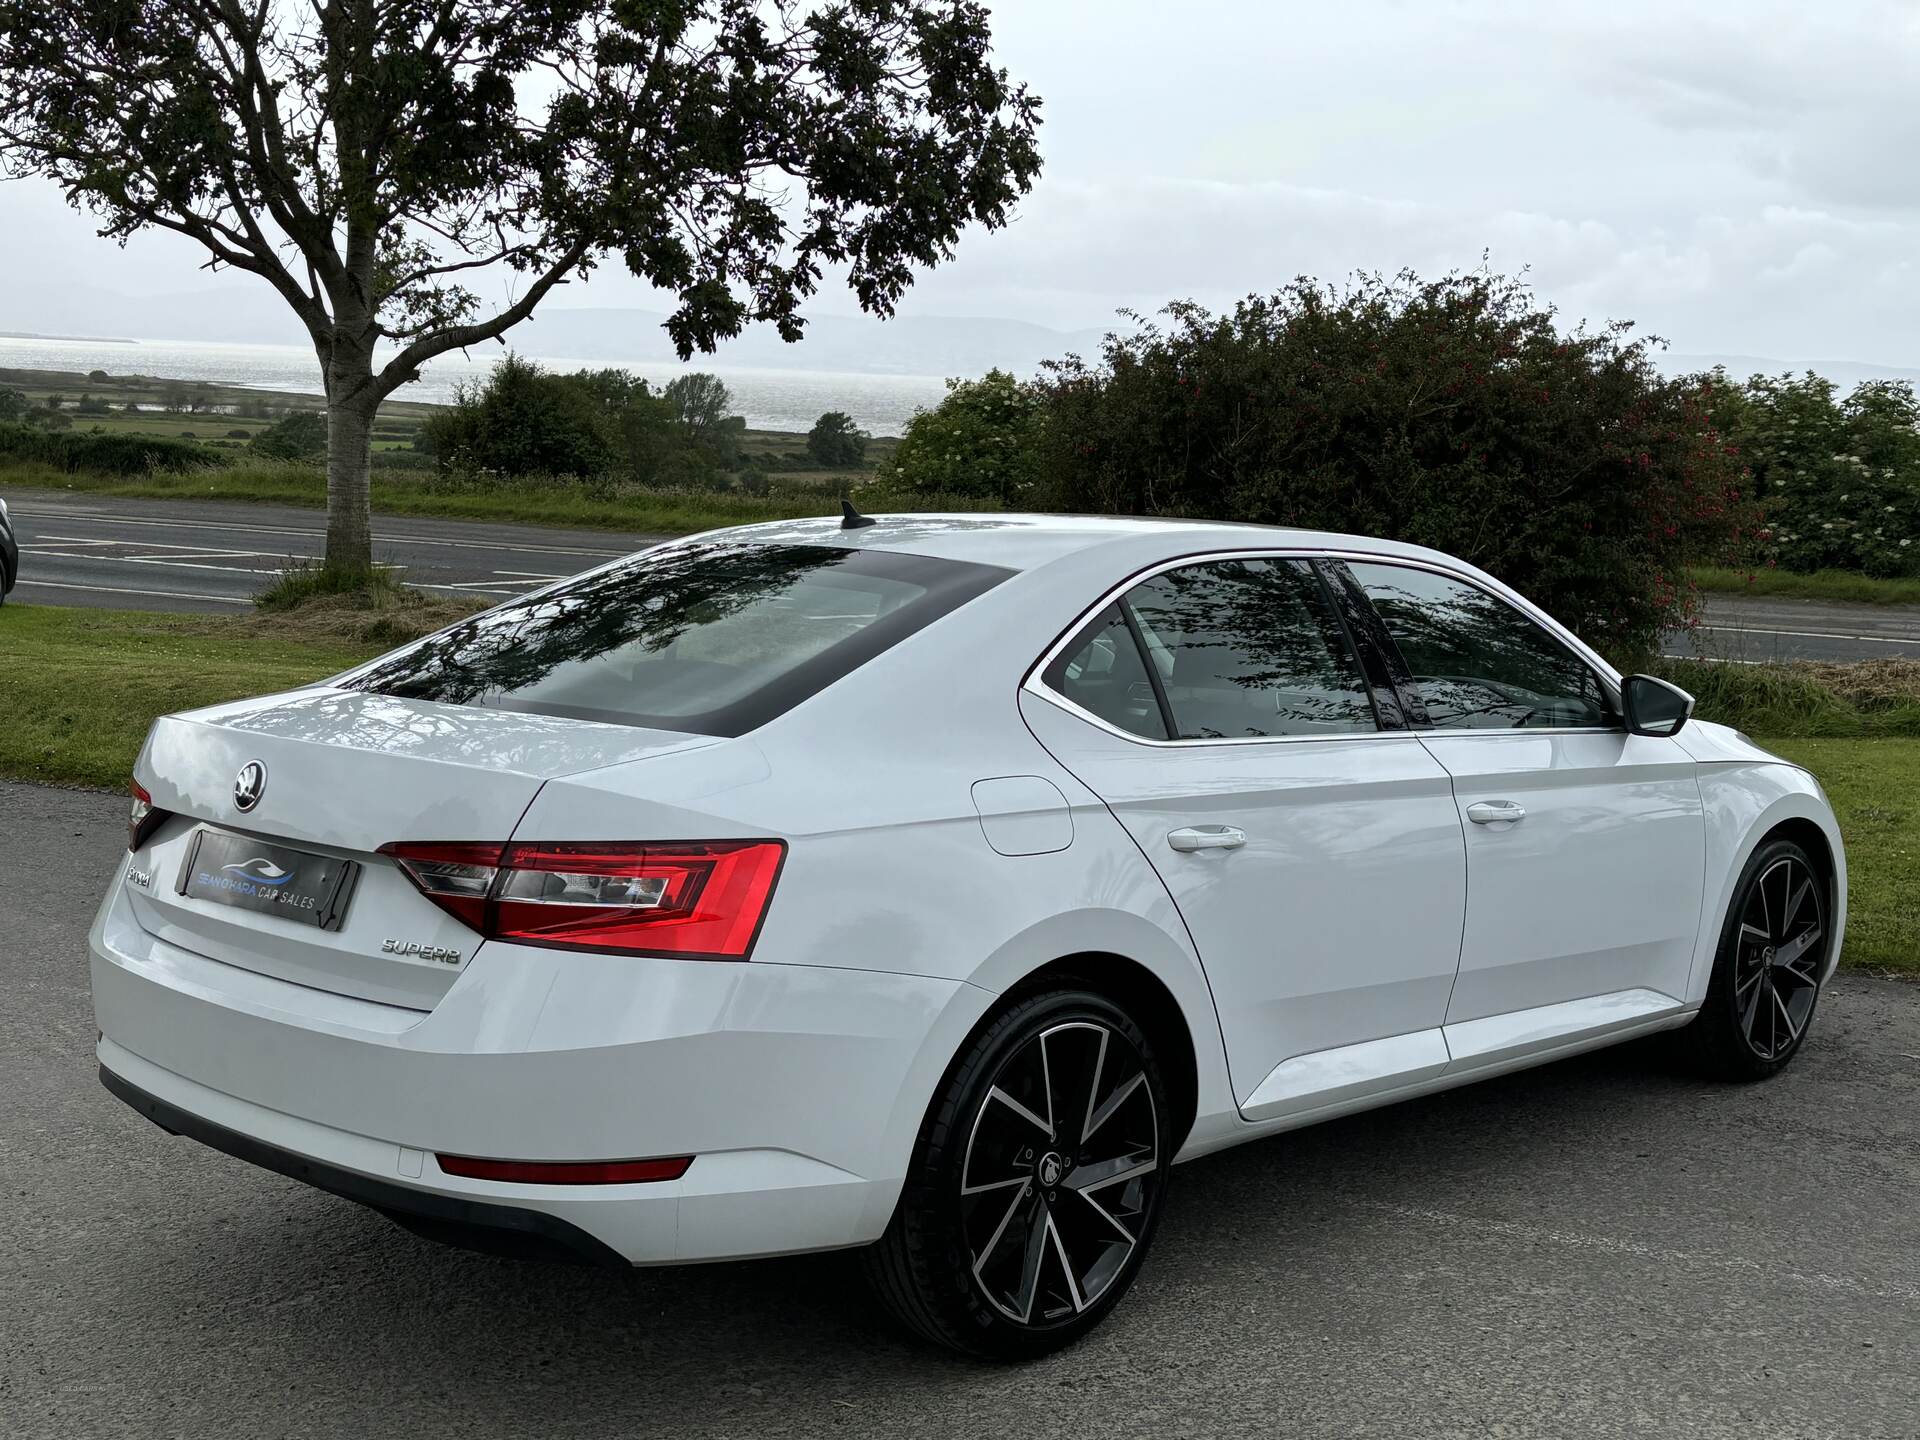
[835, 344]
[1844, 373]
[912, 345]
[908, 345]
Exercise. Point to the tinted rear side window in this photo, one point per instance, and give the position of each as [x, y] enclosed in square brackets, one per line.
[708, 637]
[1102, 672]
[1250, 648]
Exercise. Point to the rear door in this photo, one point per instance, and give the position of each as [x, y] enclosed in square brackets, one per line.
[1586, 846]
[1219, 710]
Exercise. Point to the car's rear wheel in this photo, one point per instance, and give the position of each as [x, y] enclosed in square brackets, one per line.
[1035, 1183]
[1766, 976]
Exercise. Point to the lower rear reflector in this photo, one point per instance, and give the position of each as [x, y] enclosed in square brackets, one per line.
[566, 1172]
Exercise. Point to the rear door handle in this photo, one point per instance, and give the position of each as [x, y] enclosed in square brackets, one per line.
[1492, 812]
[1207, 837]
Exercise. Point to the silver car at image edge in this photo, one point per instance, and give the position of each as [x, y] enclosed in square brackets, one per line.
[9, 554]
[933, 884]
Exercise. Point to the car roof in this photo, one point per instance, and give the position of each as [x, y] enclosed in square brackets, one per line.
[1027, 541]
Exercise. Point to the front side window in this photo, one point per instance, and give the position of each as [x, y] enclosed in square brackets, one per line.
[1250, 648]
[708, 637]
[1478, 663]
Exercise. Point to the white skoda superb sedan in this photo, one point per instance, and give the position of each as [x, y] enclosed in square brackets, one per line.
[933, 884]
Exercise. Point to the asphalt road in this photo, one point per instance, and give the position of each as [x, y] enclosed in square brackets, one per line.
[1605, 1247]
[214, 556]
[1760, 627]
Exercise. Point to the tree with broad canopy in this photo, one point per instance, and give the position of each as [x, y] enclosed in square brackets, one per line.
[379, 162]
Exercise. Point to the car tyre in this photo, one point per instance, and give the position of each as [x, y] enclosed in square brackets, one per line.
[1768, 969]
[1036, 1181]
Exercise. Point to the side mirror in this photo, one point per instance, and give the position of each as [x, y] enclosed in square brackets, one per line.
[1653, 706]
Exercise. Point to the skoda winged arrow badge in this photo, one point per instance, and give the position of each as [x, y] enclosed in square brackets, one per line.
[249, 786]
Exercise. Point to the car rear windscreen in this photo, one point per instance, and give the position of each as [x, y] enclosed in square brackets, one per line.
[708, 637]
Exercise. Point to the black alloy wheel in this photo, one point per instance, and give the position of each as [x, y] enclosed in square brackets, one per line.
[1036, 1183]
[1772, 958]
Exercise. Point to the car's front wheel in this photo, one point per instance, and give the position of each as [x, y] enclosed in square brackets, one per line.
[1773, 953]
[1035, 1182]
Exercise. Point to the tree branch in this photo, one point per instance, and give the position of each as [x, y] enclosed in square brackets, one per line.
[405, 366]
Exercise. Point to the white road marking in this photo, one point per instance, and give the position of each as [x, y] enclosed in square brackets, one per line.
[121, 590]
[1813, 634]
[169, 563]
[146, 544]
[194, 555]
[318, 534]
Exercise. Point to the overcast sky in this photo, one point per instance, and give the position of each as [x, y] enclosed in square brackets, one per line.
[1739, 177]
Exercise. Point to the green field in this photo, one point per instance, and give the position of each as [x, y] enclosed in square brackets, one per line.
[223, 417]
[1820, 585]
[82, 687]
[227, 410]
[405, 483]
[548, 502]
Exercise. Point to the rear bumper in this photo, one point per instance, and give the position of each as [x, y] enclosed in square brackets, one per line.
[798, 1089]
[475, 1224]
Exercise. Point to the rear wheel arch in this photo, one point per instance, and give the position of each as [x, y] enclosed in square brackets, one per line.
[1153, 1006]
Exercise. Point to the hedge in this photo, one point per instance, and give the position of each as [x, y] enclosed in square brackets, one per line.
[103, 454]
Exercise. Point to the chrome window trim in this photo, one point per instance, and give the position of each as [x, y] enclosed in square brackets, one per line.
[1033, 684]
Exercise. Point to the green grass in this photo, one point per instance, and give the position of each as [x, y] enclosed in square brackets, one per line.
[542, 502]
[82, 686]
[1836, 701]
[1820, 585]
[559, 503]
[1875, 789]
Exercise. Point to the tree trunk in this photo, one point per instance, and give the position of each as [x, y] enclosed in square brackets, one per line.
[349, 500]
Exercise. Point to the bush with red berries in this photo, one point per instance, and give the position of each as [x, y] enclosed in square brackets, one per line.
[1452, 412]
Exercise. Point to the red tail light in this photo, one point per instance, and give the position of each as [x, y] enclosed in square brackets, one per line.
[142, 819]
[691, 900]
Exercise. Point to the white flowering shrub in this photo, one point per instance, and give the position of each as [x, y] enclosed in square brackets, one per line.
[979, 442]
[1839, 479]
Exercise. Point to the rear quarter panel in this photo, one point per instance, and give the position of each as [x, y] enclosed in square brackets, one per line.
[889, 868]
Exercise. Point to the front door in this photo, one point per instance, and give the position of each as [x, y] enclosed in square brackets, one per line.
[1316, 858]
[1586, 846]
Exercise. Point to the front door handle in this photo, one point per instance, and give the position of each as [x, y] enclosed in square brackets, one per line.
[1207, 837]
[1493, 812]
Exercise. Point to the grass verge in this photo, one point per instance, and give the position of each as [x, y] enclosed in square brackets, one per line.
[1874, 785]
[542, 502]
[313, 604]
[1802, 698]
[82, 686]
[1820, 585]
